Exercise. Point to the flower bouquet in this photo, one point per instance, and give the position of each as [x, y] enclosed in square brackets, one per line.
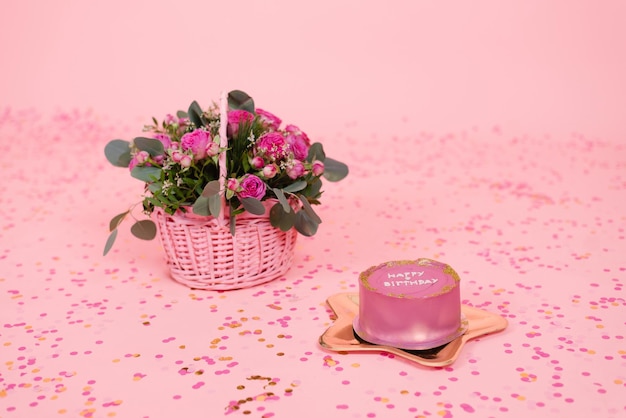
[229, 190]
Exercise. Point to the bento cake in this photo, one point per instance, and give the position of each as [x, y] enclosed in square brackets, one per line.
[409, 304]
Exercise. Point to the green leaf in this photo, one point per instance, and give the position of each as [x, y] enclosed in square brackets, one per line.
[150, 145]
[305, 225]
[295, 187]
[110, 241]
[316, 152]
[334, 170]
[117, 152]
[201, 206]
[313, 190]
[281, 219]
[215, 205]
[195, 114]
[147, 174]
[239, 100]
[117, 220]
[212, 188]
[282, 199]
[155, 187]
[252, 205]
[306, 207]
[181, 114]
[144, 229]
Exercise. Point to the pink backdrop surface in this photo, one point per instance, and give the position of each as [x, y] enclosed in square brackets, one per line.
[488, 135]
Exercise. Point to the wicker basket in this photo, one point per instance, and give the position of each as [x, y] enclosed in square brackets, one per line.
[203, 254]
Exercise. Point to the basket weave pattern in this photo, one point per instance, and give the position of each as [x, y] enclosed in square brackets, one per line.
[203, 254]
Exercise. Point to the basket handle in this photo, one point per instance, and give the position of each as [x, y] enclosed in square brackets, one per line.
[222, 155]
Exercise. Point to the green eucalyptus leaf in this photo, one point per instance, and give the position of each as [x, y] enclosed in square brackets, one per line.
[239, 100]
[334, 170]
[314, 188]
[117, 152]
[117, 220]
[281, 219]
[212, 188]
[195, 114]
[215, 205]
[155, 187]
[305, 225]
[252, 205]
[282, 199]
[201, 206]
[295, 187]
[110, 241]
[306, 206]
[316, 152]
[144, 229]
[147, 174]
[152, 146]
[181, 114]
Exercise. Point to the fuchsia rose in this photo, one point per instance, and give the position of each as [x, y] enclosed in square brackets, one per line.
[235, 117]
[196, 142]
[251, 186]
[270, 120]
[298, 142]
[295, 169]
[272, 145]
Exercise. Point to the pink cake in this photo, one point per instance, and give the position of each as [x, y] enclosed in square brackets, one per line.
[410, 304]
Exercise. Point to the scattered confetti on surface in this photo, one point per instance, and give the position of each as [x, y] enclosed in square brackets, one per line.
[535, 227]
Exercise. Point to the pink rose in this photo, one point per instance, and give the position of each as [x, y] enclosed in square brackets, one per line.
[298, 142]
[139, 158]
[317, 168]
[177, 156]
[212, 149]
[251, 186]
[197, 142]
[172, 120]
[257, 162]
[236, 117]
[270, 171]
[272, 145]
[295, 169]
[232, 184]
[185, 161]
[165, 140]
[142, 157]
[270, 120]
[133, 163]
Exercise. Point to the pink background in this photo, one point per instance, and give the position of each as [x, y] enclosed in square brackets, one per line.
[536, 66]
[488, 135]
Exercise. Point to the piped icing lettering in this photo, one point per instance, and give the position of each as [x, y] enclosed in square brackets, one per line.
[409, 282]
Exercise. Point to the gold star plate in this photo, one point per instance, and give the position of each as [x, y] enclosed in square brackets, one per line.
[341, 337]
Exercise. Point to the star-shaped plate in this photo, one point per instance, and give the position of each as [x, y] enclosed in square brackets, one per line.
[341, 337]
